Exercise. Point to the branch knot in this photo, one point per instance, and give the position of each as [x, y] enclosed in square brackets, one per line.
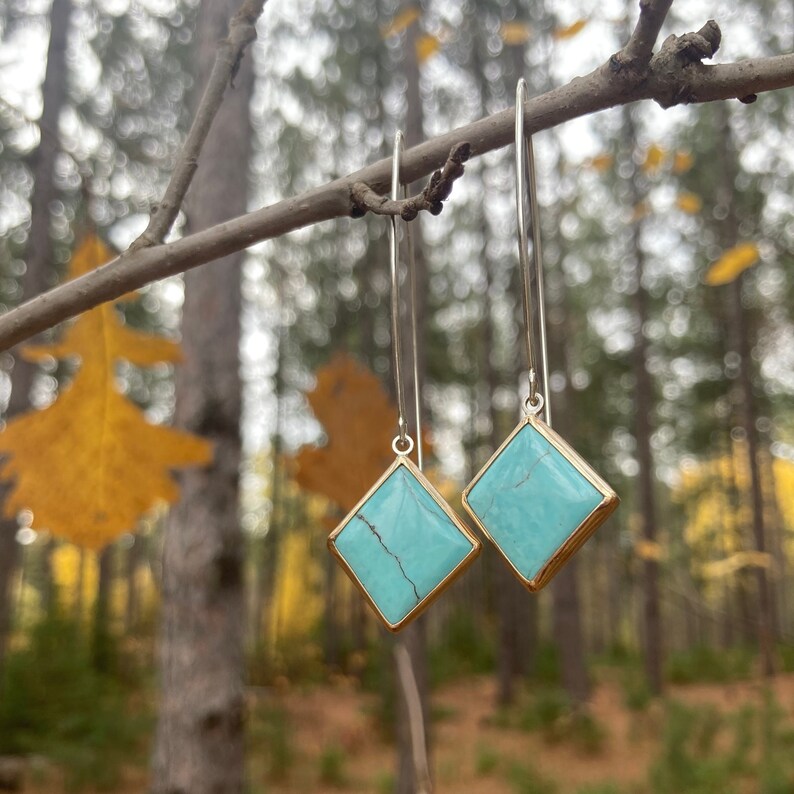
[431, 199]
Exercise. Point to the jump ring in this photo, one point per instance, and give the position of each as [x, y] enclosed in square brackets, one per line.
[533, 408]
[408, 442]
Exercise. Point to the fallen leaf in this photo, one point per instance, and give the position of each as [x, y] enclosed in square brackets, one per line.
[569, 31]
[403, 20]
[89, 465]
[732, 264]
[689, 203]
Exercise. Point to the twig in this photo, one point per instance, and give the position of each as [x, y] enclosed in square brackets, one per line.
[242, 31]
[365, 199]
[668, 79]
[637, 52]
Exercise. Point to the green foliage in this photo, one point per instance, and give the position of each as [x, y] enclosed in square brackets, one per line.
[713, 665]
[551, 713]
[786, 654]
[693, 758]
[546, 669]
[636, 692]
[332, 766]
[486, 760]
[384, 783]
[527, 780]
[463, 649]
[270, 732]
[55, 703]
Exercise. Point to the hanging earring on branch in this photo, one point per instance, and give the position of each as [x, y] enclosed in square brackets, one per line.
[402, 544]
[536, 499]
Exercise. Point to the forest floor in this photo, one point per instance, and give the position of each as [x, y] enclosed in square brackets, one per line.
[325, 739]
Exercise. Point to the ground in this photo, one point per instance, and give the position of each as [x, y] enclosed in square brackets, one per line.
[325, 739]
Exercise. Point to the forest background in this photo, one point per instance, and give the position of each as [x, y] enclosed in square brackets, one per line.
[660, 659]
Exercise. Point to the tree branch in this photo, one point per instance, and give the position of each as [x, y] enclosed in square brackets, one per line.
[673, 76]
[637, 52]
[365, 199]
[242, 31]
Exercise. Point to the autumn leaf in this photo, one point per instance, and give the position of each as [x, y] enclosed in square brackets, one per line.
[732, 264]
[682, 162]
[654, 158]
[601, 162]
[426, 47]
[569, 31]
[639, 211]
[360, 424]
[689, 203]
[728, 566]
[648, 550]
[402, 21]
[515, 33]
[89, 465]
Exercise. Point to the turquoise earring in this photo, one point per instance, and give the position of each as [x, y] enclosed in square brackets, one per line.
[402, 544]
[536, 499]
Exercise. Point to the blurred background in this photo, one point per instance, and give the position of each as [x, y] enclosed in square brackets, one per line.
[661, 659]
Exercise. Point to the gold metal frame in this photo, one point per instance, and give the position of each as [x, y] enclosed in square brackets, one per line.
[404, 460]
[576, 539]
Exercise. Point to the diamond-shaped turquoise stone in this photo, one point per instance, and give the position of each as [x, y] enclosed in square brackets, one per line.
[401, 545]
[530, 499]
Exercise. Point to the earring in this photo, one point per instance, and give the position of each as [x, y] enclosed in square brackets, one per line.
[402, 544]
[536, 499]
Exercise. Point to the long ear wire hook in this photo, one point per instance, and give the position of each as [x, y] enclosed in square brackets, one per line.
[525, 167]
[403, 444]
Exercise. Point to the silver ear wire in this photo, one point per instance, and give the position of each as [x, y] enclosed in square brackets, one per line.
[525, 167]
[403, 444]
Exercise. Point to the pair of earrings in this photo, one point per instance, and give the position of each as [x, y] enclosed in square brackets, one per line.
[536, 499]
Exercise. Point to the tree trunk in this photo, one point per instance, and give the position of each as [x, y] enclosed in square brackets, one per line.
[651, 630]
[199, 741]
[101, 644]
[739, 334]
[38, 257]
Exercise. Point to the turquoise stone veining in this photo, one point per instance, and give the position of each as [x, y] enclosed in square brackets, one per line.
[530, 499]
[401, 545]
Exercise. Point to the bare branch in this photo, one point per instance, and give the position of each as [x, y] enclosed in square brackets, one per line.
[242, 31]
[365, 199]
[637, 52]
[671, 77]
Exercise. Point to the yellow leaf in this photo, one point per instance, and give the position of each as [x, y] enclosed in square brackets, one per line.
[648, 549]
[732, 263]
[89, 465]
[654, 158]
[515, 33]
[682, 162]
[403, 20]
[689, 202]
[736, 562]
[569, 31]
[601, 162]
[639, 211]
[426, 47]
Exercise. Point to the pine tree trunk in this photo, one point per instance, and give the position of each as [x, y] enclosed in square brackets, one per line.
[651, 629]
[38, 258]
[739, 334]
[199, 742]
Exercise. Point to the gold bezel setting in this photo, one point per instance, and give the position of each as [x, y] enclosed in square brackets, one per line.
[580, 534]
[424, 603]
